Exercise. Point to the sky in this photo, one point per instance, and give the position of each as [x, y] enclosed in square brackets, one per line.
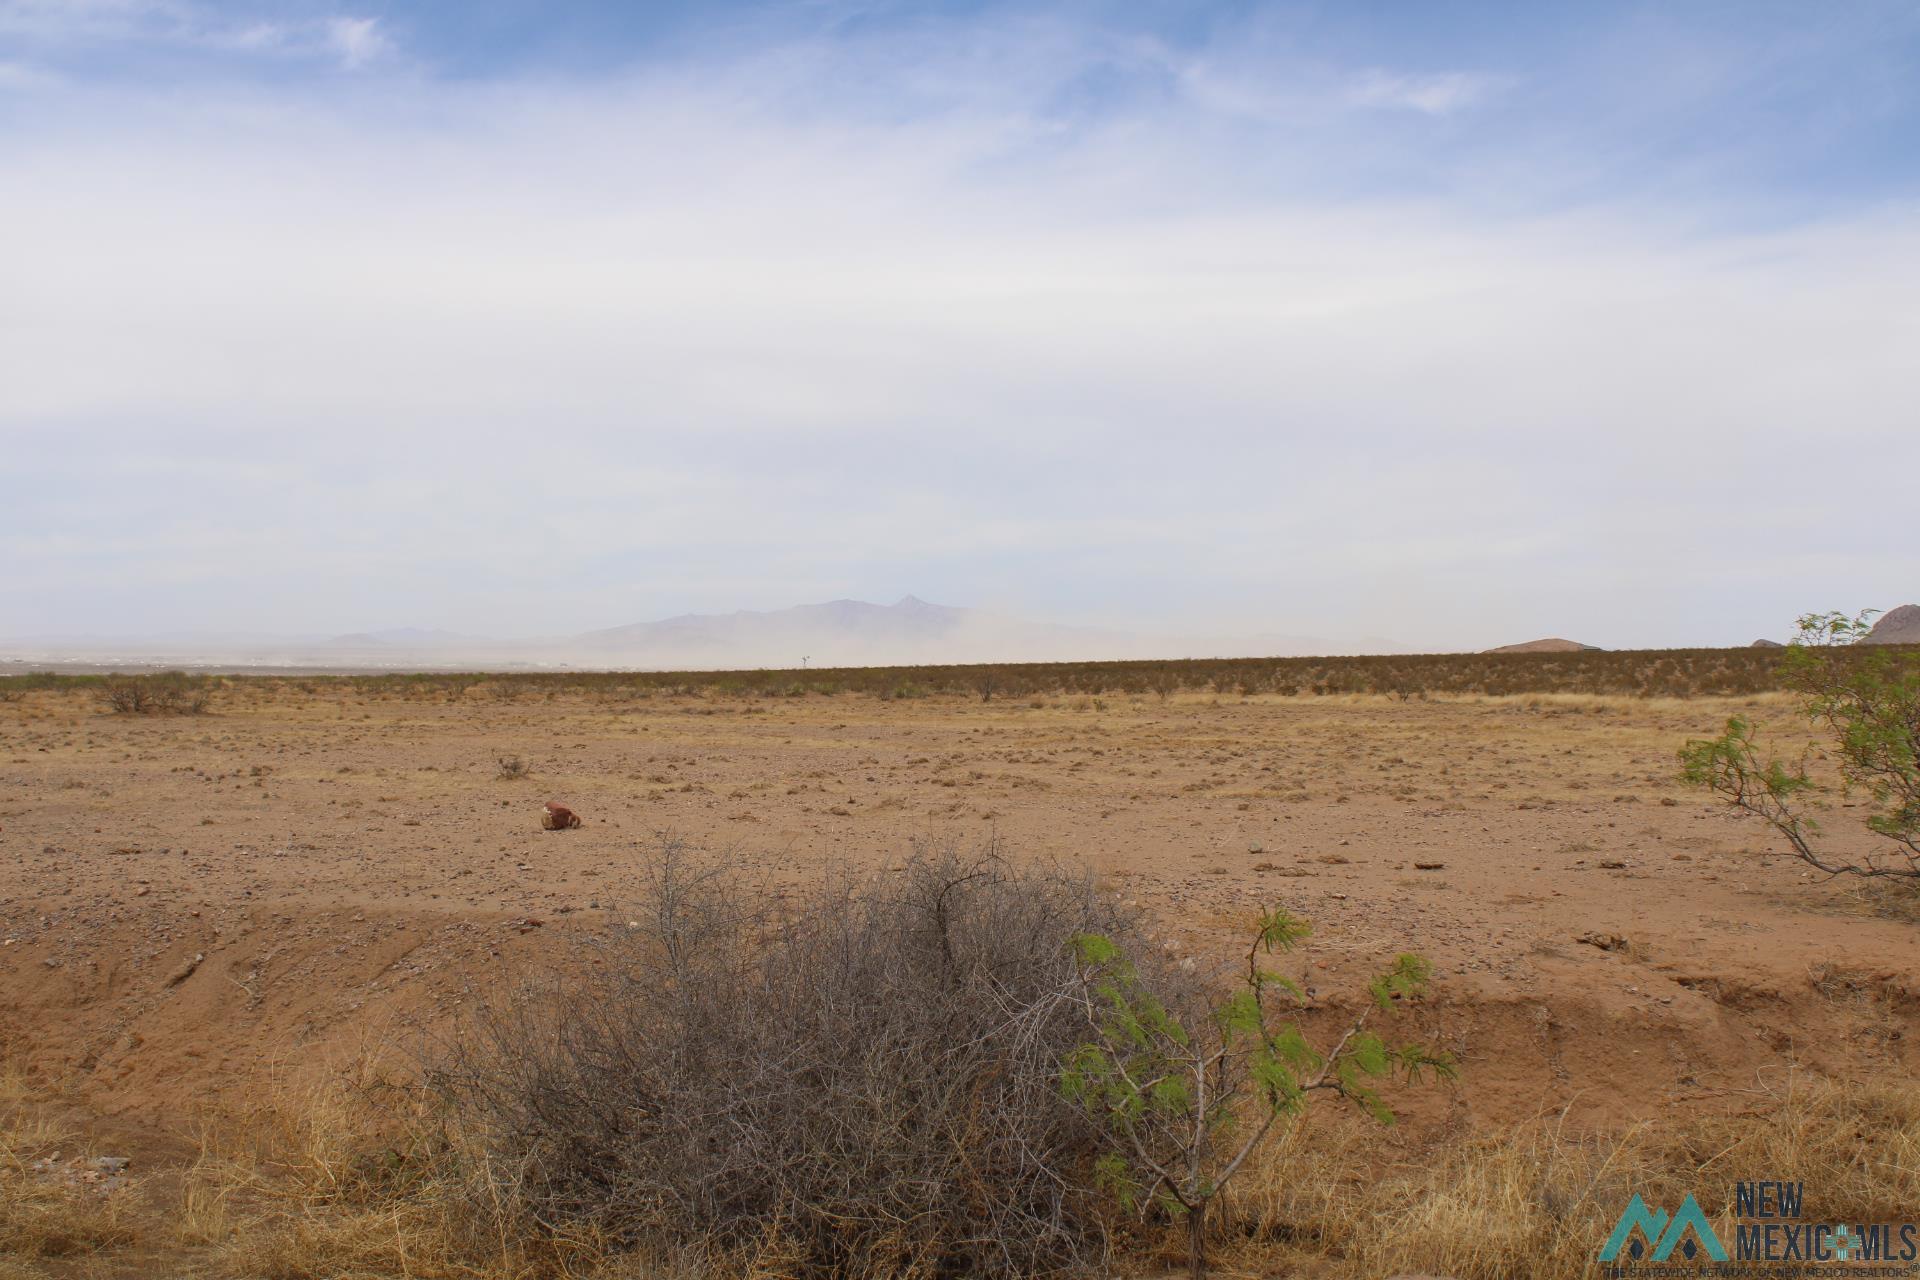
[1452, 323]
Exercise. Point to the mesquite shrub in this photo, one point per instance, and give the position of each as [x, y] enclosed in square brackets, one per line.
[1186, 1101]
[1867, 700]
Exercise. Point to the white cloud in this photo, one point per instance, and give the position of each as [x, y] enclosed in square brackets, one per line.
[1292, 91]
[357, 41]
[669, 343]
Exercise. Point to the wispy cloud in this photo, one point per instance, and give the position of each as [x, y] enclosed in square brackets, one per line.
[1434, 95]
[21, 76]
[357, 41]
[67, 27]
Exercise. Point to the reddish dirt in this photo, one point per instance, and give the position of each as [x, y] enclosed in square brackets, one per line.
[193, 905]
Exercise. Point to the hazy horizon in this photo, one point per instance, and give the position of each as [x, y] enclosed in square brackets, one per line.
[1463, 327]
[839, 633]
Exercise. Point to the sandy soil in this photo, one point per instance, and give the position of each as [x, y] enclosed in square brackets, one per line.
[188, 904]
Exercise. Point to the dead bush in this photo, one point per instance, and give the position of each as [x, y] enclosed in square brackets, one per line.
[169, 693]
[866, 1083]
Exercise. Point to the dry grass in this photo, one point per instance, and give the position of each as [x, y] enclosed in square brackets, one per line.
[1894, 899]
[361, 1179]
[1539, 1200]
[1535, 1201]
[326, 1185]
[42, 1214]
[357, 1176]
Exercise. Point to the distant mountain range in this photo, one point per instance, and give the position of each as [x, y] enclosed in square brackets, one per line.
[836, 633]
[849, 633]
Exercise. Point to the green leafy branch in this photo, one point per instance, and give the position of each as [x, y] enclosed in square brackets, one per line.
[1175, 1101]
[1867, 698]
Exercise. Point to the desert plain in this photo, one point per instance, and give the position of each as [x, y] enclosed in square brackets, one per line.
[194, 909]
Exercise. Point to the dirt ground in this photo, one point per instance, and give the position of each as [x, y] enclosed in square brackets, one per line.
[190, 905]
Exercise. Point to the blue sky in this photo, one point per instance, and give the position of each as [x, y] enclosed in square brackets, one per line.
[1455, 323]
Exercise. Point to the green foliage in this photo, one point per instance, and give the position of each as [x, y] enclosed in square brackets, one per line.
[1112, 1174]
[1184, 1100]
[1407, 977]
[1867, 699]
[1094, 949]
[1280, 931]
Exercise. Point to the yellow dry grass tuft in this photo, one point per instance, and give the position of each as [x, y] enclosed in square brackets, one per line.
[44, 1214]
[359, 1177]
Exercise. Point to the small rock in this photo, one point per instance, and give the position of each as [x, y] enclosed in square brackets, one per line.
[185, 971]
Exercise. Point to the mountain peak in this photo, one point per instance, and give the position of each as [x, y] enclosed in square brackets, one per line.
[1897, 626]
[1552, 644]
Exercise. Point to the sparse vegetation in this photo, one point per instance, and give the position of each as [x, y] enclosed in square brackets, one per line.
[395, 1179]
[45, 1210]
[1537, 1198]
[1626, 673]
[369, 1178]
[512, 768]
[1867, 699]
[364, 1175]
